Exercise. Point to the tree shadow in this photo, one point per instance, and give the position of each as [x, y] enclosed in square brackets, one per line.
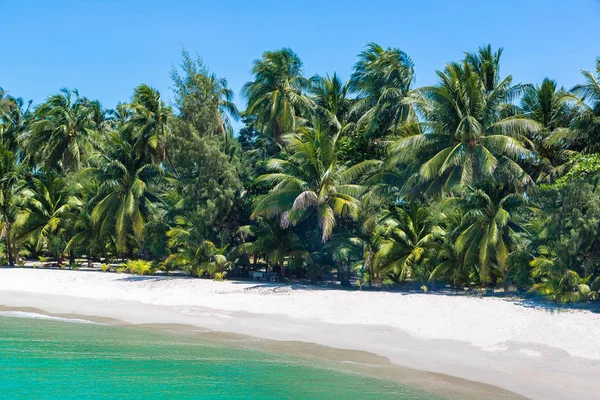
[137, 278]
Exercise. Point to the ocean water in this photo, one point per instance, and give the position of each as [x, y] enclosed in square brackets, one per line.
[49, 358]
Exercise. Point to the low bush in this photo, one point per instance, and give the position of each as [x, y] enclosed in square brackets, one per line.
[220, 276]
[140, 267]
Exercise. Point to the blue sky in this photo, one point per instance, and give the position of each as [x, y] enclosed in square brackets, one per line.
[106, 48]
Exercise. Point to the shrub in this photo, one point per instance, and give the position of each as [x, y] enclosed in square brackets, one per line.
[220, 276]
[105, 267]
[43, 259]
[120, 270]
[140, 267]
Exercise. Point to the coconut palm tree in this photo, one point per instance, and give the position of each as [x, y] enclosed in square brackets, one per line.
[60, 135]
[277, 95]
[48, 206]
[332, 98]
[272, 242]
[465, 138]
[489, 229]
[312, 178]
[406, 236]
[347, 251]
[382, 78]
[193, 253]
[586, 125]
[125, 196]
[14, 117]
[149, 123]
[84, 234]
[11, 175]
[486, 63]
[558, 282]
[549, 106]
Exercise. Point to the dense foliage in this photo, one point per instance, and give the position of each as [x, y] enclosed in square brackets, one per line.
[476, 181]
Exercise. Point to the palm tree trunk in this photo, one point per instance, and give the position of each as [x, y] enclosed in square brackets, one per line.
[343, 276]
[9, 250]
[282, 268]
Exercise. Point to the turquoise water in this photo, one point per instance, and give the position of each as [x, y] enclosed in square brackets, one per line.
[44, 359]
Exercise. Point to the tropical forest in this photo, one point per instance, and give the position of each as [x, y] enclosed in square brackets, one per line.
[476, 183]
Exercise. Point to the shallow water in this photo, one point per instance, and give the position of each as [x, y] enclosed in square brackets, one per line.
[49, 358]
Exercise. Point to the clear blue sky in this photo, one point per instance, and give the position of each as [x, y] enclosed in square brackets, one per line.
[106, 48]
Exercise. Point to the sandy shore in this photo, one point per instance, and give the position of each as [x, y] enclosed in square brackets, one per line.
[536, 353]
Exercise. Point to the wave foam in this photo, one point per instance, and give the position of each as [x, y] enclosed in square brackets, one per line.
[31, 315]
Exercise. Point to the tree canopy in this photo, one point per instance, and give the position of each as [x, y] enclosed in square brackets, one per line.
[474, 181]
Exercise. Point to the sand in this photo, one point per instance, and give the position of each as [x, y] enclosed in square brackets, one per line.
[534, 352]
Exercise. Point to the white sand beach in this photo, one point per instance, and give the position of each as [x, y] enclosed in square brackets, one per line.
[534, 352]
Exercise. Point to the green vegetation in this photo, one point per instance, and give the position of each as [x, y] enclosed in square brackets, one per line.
[139, 267]
[474, 182]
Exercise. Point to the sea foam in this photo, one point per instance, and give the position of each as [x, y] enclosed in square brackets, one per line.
[31, 315]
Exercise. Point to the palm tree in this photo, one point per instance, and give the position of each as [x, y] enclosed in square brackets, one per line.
[11, 174]
[331, 96]
[489, 230]
[312, 178]
[465, 137]
[549, 106]
[273, 242]
[559, 283]
[383, 79]
[14, 117]
[406, 237]
[60, 135]
[276, 96]
[84, 234]
[49, 204]
[194, 254]
[347, 251]
[486, 63]
[149, 123]
[586, 125]
[125, 195]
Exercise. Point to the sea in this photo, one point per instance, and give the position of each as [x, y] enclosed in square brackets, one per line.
[51, 358]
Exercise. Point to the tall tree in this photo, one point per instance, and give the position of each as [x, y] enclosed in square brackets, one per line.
[60, 136]
[49, 204]
[549, 106]
[14, 118]
[125, 196]
[586, 125]
[277, 95]
[382, 78]
[489, 230]
[11, 174]
[313, 178]
[466, 137]
[332, 98]
[202, 98]
[149, 123]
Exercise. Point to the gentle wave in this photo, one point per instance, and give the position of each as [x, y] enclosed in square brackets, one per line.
[31, 315]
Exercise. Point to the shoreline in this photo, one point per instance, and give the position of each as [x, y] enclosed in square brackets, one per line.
[341, 360]
[532, 369]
